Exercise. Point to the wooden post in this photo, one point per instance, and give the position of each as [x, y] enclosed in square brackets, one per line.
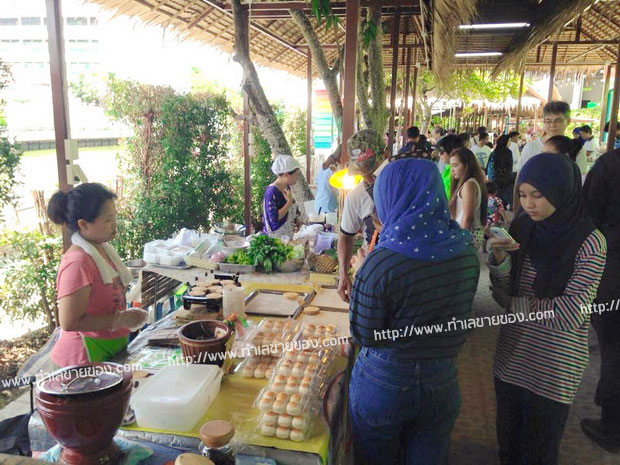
[414, 95]
[554, 57]
[350, 65]
[245, 150]
[309, 118]
[406, 121]
[395, 32]
[615, 99]
[518, 116]
[604, 102]
[60, 105]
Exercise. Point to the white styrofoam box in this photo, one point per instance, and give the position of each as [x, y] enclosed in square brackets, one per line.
[176, 397]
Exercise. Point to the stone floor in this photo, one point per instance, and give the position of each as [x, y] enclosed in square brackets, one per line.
[473, 439]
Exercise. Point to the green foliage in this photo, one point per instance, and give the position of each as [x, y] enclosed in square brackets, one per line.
[368, 32]
[267, 252]
[294, 126]
[28, 277]
[10, 153]
[239, 258]
[10, 156]
[593, 114]
[322, 9]
[260, 174]
[177, 170]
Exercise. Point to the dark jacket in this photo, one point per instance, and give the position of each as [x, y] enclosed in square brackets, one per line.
[602, 195]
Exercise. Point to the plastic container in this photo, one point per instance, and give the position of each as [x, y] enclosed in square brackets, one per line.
[262, 366]
[176, 397]
[233, 301]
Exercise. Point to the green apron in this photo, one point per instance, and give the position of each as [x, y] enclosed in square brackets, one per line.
[100, 350]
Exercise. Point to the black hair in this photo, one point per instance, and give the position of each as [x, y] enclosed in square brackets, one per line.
[565, 145]
[607, 127]
[481, 129]
[413, 132]
[557, 107]
[450, 143]
[464, 137]
[585, 128]
[483, 135]
[502, 141]
[491, 187]
[511, 134]
[83, 202]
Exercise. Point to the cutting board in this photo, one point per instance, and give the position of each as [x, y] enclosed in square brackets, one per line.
[271, 303]
[328, 299]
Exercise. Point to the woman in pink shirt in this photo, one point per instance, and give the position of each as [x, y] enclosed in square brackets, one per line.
[92, 280]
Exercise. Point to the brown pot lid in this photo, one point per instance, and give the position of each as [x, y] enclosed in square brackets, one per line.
[213, 296]
[192, 459]
[217, 433]
[81, 379]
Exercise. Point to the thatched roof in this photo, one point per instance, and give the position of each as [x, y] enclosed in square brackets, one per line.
[430, 29]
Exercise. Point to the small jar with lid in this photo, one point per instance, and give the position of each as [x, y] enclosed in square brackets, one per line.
[216, 439]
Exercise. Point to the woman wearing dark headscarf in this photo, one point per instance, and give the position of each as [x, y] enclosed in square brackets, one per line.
[499, 169]
[547, 281]
[421, 277]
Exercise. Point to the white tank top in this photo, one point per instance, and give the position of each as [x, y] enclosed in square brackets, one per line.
[459, 205]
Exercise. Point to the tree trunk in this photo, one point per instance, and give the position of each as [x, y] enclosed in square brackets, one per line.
[259, 105]
[362, 88]
[375, 73]
[427, 114]
[327, 74]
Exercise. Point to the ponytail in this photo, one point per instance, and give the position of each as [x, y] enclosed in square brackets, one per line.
[83, 202]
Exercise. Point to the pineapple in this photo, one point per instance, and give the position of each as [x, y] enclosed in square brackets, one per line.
[323, 263]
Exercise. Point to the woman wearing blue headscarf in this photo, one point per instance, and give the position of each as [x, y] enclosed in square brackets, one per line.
[406, 300]
[547, 284]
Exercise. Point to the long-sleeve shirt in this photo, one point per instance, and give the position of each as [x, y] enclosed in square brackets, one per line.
[417, 302]
[548, 354]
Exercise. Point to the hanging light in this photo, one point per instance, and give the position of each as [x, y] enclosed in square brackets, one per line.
[342, 180]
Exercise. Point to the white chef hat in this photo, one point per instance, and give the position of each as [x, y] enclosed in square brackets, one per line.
[284, 164]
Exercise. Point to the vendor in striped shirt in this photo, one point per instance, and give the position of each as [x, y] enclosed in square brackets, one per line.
[556, 266]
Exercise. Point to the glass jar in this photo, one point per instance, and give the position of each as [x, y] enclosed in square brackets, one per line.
[216, 439]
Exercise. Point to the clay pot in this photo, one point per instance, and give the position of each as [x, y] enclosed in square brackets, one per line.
[85, 424]
[198, 341]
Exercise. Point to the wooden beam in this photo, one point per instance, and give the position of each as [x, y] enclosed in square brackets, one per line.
[606, 17]
[279, 6]
[406, 122]
[580, 42]
[200, 17]
[578, 32]
[223, 8]
[613, 118]
[554, 57]
[394, 40]
[607, 75]
[414, 94]
[385, 46]
[309, 117]
[60, 105]
[518, 116]
[350, 65]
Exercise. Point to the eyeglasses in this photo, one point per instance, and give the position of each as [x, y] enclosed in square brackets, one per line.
[554, 121]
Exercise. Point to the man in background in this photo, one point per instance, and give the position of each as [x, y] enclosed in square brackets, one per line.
[590, 143]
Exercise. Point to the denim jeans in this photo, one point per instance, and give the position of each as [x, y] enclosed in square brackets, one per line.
[529, 426]
[402, 411]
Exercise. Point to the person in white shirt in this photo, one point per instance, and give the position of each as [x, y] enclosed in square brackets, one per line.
[482, 150]
[590, 143]
[367, 157]
[556, 118]
[513, 145]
